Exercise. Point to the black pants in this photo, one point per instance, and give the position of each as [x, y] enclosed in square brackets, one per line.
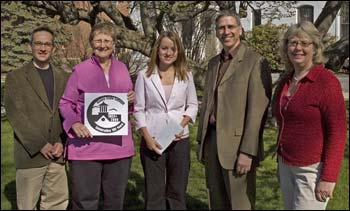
[166, 176]
[88, 176]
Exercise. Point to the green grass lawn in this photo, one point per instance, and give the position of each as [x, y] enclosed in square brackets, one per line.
[268, 191]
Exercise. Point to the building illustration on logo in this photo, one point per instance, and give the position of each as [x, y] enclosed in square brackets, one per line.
[106, 116]
[103, 114]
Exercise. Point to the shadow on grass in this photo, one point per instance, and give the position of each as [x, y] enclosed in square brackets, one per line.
[134, 196]
[268, 190]
[10, 193]
[134, 199]
[195, 204]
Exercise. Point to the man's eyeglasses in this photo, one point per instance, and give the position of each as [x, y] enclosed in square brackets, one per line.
[302, 43]
[106, 42]
[38, 44]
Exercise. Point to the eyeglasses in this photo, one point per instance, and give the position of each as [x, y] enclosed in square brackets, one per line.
[302, 43]
[38, 44]
[106, 42]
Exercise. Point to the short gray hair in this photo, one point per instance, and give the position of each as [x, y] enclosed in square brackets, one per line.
[107, 28]
[230, 13]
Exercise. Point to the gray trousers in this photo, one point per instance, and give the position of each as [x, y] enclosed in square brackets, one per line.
[226, 190]
[90, 176]
[166, 176]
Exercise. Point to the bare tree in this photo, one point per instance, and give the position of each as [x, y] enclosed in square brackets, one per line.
[339, 51]
[156, 16]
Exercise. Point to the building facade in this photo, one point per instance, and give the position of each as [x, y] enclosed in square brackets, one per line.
[304, 10]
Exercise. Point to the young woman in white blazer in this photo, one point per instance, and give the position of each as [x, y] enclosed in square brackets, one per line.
[165, 91]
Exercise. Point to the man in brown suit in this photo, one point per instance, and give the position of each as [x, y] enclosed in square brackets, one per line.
[32, 93]
[235, 100]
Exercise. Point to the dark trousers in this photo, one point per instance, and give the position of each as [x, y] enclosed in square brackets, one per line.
[226, 189]
[166, 176]
[89, 176]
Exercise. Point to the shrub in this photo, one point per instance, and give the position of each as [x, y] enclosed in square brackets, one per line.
[265, 40]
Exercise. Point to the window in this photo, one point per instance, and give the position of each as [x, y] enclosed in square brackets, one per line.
[256, 17]
[306, 13]
[344, 20]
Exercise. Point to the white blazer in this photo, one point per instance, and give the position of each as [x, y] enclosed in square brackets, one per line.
[151, 109]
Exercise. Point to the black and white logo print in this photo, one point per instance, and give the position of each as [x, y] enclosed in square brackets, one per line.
[104, 116]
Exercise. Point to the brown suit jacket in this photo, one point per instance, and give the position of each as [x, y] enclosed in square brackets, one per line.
[33, 120]
[242, 101]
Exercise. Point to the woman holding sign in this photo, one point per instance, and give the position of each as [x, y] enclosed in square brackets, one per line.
[165, 100]
[97, 161]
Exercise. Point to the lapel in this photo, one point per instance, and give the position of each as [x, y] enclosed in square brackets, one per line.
[213, 74]
[35, 81]
[236, 61]
[158, 85]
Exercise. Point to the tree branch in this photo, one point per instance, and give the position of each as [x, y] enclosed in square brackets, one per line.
[65, 9]
[327, 16]
[337, 53]
[148, 17]
[184, 10]
[112, 12]
[133, 40]
[227, 5]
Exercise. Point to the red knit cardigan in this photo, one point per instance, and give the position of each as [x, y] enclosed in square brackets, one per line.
[312, 125]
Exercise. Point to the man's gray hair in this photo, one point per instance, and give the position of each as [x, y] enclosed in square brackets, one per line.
[225, 13]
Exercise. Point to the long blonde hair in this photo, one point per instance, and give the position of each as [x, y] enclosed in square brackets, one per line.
[180, 65]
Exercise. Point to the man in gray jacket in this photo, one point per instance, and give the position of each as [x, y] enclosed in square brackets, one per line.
[32, 93]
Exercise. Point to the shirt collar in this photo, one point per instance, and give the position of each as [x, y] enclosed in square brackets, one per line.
[228, 56]
[97, 60]
[313, 74]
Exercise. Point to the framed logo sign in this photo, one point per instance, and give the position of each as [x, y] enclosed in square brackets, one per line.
[106, 114]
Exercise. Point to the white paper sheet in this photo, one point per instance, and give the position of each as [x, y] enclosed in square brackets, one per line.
[167, 134]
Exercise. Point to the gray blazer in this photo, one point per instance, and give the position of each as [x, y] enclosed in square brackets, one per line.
[33, 120]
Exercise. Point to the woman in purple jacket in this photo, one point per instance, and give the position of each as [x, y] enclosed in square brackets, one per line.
[310, 111]
[100, 161]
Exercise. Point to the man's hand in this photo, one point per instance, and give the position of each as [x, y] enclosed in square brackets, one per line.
[57, 150]
[324, 190]
[46, 151]
[81, 131]
[244, 163]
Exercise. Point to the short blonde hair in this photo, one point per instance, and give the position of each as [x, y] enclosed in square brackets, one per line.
[107, 28]
[307, 30]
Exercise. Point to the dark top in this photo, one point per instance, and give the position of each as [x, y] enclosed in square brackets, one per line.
[46, 76]
[225, 61]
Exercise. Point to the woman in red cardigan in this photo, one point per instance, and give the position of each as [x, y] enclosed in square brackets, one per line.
[310, 111]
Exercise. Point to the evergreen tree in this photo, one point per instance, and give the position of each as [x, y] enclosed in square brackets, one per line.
[17, 23]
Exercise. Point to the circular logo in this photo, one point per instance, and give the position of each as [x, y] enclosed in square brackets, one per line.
[103, 116]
